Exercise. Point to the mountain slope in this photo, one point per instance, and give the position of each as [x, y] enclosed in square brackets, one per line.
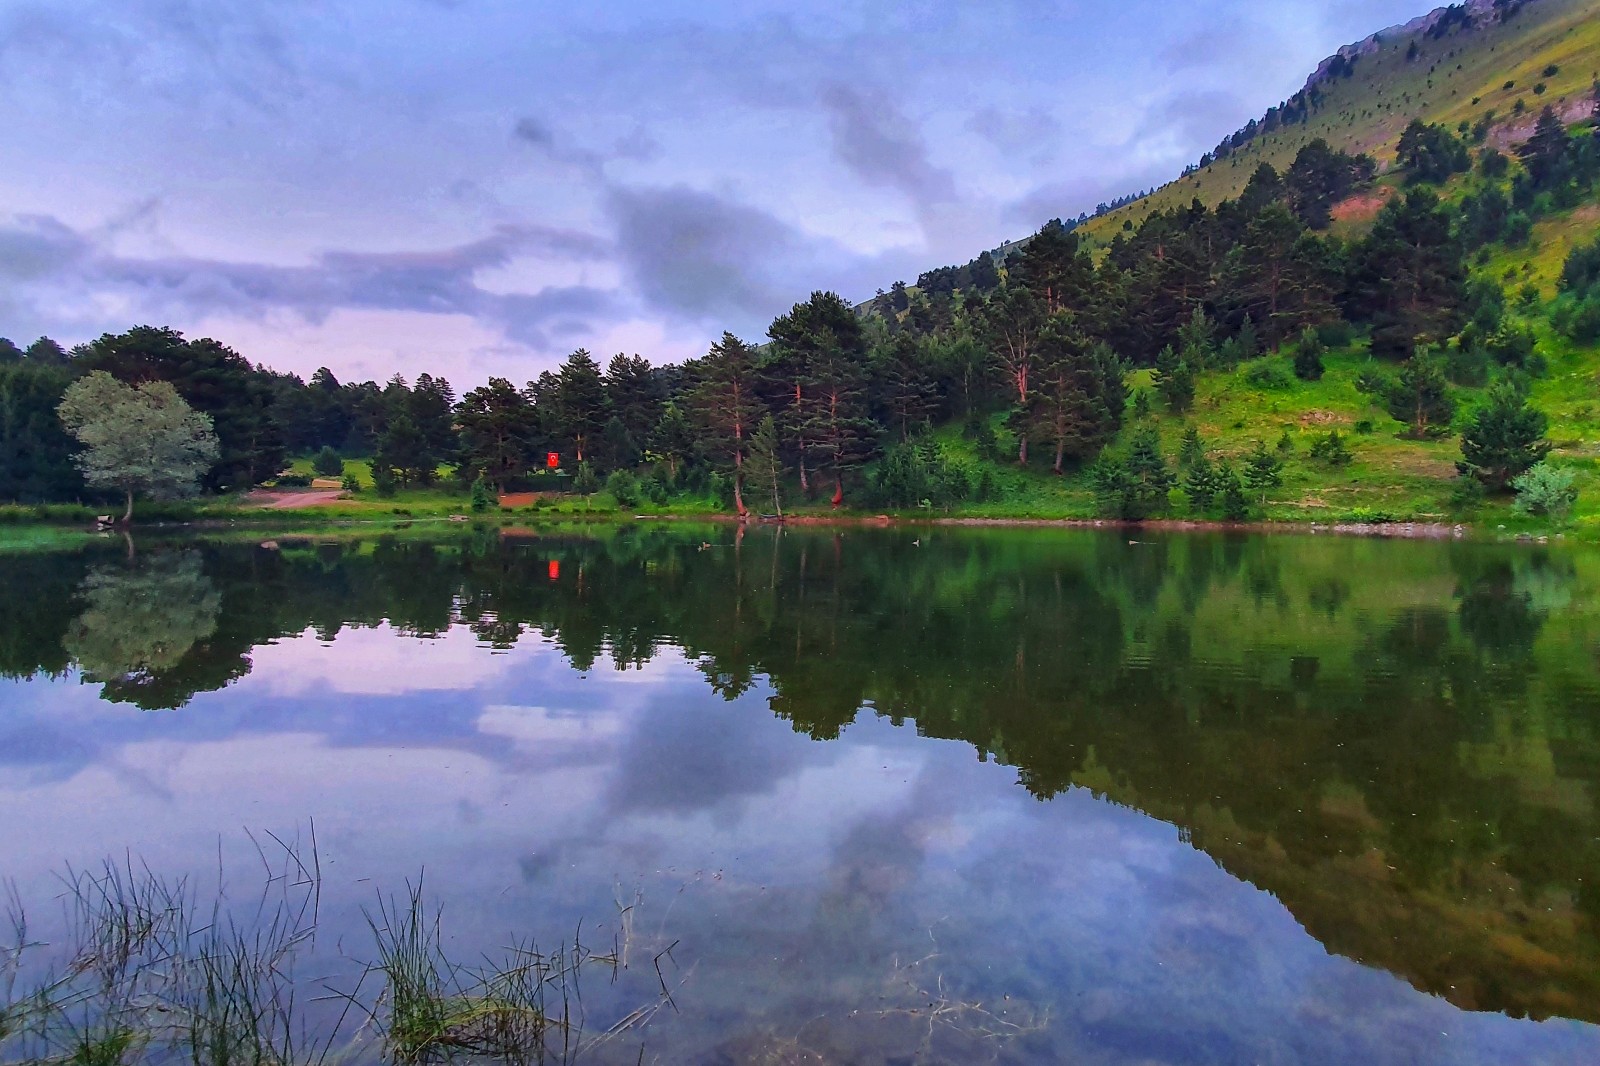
[1432, 69]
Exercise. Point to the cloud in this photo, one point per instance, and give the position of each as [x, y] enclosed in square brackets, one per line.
[433, 281]
[1195, 119]
[1216, 44]
[705, 257]
[1032, 131]
[36, 246]
[882, 146]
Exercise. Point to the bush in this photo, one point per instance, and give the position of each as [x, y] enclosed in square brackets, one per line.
[1266, 374]
[483, 497]
[1546, 491]
[293, 481]
[1467, 494]
[1365, 427]
[327, 463]
[351, 483]
[585, 483]
[1337, 334]
[1331, 450]
[1371, 382]
[624, 488]
[1308, 356]
[917, 474]
[1579, 319]
[384, 483]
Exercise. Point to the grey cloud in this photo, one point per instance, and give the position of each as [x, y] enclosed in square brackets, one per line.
[695, 254]
[1216, 44]
[36, 246]
[1032, 130]
[1200, 117]
[1068, 199]
[539, 136]
[437, 281]
[242, 49]
[880, 144]
[691, 753]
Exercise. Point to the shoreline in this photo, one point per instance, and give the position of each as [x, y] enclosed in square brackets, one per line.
[277, 522]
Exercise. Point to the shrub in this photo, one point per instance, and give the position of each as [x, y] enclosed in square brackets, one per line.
[384, 483]
[1265, 374]
[1308, 356]
[327, 463]
[585, 483]
[624, 488]
[1365, 427]
[910, 475]
[1371, 382]
[1331, 450]
[483, 496]
[1337, 334]
[351, 483]
[1467, 495]
[293, 481]
[1546, 491]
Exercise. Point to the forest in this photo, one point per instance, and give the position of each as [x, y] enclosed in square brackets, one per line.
[1032, 355]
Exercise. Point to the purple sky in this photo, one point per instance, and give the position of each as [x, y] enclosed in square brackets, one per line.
[477, 187]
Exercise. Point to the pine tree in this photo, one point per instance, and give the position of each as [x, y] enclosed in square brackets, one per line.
[903, 385]
[1421, 397]
[635, 398]
[1505, 439]
[724, 401]
[1134, 487]
[1308, 356]
[1012, 319]
[1201, 484]
[580, 402]
[1408, 277]
[1235, 505]
[496, 424]
[1175, 380]
[1193, 450]
[1546, 152]
[1080, 397]
[1263, 471]
[834, 423]
[764, 465]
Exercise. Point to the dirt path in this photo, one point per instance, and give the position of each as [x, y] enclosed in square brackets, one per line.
[293, 501]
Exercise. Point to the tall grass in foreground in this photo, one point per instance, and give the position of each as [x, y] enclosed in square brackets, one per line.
[146, 973]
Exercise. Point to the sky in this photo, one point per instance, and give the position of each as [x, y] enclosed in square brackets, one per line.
[478, 187]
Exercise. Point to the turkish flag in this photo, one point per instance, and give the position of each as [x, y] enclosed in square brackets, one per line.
[552, 460]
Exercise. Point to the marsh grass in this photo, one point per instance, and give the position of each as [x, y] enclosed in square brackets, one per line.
[151, 969]
[521, 1008]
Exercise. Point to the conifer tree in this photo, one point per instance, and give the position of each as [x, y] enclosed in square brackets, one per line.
[1308, 356]
[724, 402]
[1421, 397]
[1504, 440]
[1263, 471]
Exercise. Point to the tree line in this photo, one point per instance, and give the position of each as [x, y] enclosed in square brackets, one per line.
[1029, 353]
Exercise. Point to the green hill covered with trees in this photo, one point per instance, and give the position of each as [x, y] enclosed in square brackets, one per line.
[1350, 313]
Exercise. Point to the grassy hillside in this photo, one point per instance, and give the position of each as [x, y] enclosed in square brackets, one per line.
[1457, 78]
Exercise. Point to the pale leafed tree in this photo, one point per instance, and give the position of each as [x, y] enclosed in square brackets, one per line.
[139, 439]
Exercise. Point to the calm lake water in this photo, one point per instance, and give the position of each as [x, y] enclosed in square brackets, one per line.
[888, 797]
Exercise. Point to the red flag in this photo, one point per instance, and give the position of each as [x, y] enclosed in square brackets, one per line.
[552, 460]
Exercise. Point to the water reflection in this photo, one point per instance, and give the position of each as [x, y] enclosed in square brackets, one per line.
[139, 622]
[1399, 742]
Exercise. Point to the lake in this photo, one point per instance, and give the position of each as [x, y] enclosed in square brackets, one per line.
[855, 796]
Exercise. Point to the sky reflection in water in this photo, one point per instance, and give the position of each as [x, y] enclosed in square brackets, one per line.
[821, 891]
